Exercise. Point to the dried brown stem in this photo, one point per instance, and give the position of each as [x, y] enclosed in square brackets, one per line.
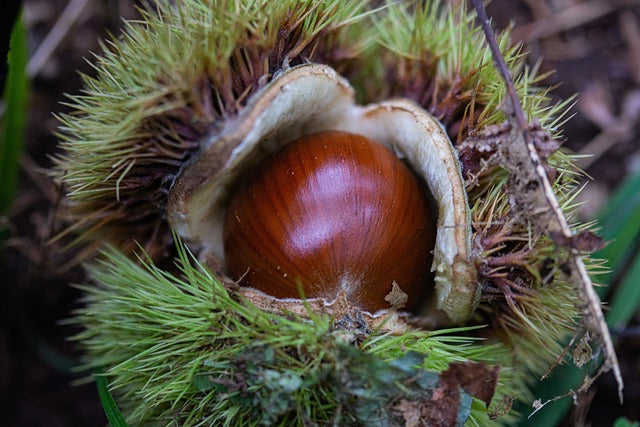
[569, 18]
[560, 358]
[501, 65]
[55, 37]
[532, 197]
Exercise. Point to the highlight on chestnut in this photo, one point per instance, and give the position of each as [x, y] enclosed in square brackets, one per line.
[332, 212]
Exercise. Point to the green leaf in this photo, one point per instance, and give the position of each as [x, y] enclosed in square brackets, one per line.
[108, 404]
[627, 297]
[12, 126]
[623, 422]
[620, 221]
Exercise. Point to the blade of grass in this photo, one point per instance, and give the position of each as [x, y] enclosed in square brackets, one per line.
[627, 297]
[620, 221]
[621, 225]
[12, 127]
[111, 410]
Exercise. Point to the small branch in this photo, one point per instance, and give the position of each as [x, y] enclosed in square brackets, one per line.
[500, 64]
[53, 39]
[569, 18]
[531, 197]
[560, 358]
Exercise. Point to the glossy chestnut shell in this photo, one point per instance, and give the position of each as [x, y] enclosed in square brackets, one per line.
[332, 212]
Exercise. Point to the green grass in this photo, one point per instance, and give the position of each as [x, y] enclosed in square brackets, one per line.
[111, 410]
[12, 126]
[621, 225]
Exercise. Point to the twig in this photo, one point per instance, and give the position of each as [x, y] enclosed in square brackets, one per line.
[600, 144]
[532, 197]
[584, 387]
[560, 358]
[501, 65]
[55, 36]
[36, 174]
[571, 17]
[619, 130]
[631, 34]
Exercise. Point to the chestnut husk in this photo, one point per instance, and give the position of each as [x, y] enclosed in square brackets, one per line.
[119, 165]
[308, 99]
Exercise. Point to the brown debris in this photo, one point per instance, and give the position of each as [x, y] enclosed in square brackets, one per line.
[532, 198]
[441, 409]
[477, 151]
[410, 412]
[478, 379]
[396, 298]
[582, 353]
[585, 241]
[502, 408]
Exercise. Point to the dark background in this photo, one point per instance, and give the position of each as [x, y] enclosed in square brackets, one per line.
[593, 46]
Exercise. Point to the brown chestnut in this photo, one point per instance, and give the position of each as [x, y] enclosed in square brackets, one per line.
[332, 212]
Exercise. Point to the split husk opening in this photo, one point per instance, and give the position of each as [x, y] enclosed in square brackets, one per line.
[313, 98]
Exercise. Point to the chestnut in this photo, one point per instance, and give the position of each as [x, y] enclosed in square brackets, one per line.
[331, 212]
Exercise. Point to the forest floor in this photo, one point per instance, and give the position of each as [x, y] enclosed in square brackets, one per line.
[593, 46]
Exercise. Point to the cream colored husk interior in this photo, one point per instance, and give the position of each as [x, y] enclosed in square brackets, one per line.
[308, 99]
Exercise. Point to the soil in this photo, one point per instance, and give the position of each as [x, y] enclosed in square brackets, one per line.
[598, 57]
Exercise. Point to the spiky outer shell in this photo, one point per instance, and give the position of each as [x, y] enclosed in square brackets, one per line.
[176, 78]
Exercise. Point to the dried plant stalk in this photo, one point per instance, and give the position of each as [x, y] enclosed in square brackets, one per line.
[532, 197]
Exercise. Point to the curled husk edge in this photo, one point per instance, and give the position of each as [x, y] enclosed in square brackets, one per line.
[309, 99]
